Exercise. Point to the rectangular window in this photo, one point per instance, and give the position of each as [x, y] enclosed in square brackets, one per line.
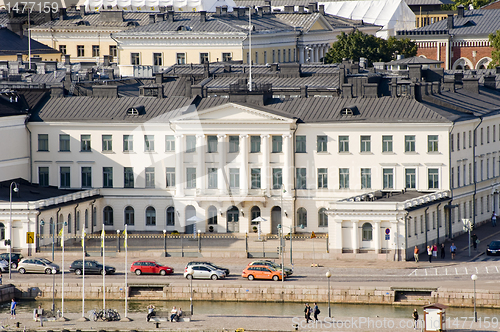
[274, 56]
[95, 51]
[128, 143]
[135, 59]
[470, 138]
[149, 143]
[470, 173]
[343, 178]
[234, 144]
[464, 141]
[254, 144]
[482, 170]
[255, 178]
[43, 176]
[43, 142]
[107, 143]
[226, 57]
[190, 177]
[343, 143]
[458, 176]
[170, 175]
[301, 178]
[212, 178]
[86, 177]
[410, 178]
[107, 177]
[62, 49]
[433, 176]
[452, 177]
[181, 58]
[365, 144]
[482, 141]
[452, 143]
[322, 178]
[65, 177]
[191, 143]
[277, 178]
[300, 144]
[409, 143]
[494, 134]
[113, 51]
[211, 144]
[277, 144]
[169, 143]
[322, 143]
[128, 177]
[432, 143]
[493, 167]
[234, 178]
[203, 58]
[487, 134]
[80, 50]
[458, 141]
[421, 224]
[487, 168]
[279, 55]
[85, 143]
[64, 145]
[366, 178]
[265, 56]
[150, 177]
[157, 59]
[387, 143]
[464, 182]
[388, 178]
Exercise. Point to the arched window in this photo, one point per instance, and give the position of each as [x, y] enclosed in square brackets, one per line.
[77, 221]
[254, 213]
[51, 229]
[108, 216]
[129, 216]
[367, 231]
[69, 223]
[41, 228]
[86, 218]
[322, 218]
[150, 216]
[94, 217]
[60, 223]
[212, 215]
[302, 217]
[2, 231]
[170, 216]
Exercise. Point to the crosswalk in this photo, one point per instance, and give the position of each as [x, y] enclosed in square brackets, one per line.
[485, 258]
[489, 267]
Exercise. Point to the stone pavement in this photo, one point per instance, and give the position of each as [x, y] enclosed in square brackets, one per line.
[237, 323]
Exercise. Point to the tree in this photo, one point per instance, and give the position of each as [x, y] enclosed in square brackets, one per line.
[475, 3]
[495, 53]
[357, 44]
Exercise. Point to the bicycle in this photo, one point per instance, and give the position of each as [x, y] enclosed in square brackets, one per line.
[107, 315]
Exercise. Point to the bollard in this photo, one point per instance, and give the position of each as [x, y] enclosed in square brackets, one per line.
[296, 326]
[157, 324]
[18, 324]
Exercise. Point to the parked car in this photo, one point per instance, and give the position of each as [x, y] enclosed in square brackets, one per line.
[493, 248]
[261, 272]
[91, 267]
[209, 264]
[150, 267]
[37, 265]
[14, 260]
[204, 272]
[288, 271]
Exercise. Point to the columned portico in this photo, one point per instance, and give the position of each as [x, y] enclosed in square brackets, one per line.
[376, 236]
[265, 164]
[179, 166]
[221, 176]
[287, 171]
[244, 165]
[200, 168]
[355, 235]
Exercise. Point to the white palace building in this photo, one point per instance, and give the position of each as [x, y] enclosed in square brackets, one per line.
[317, 148]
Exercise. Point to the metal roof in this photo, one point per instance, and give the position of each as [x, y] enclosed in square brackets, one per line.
[11, 44]
[73, 19]
[474, 22]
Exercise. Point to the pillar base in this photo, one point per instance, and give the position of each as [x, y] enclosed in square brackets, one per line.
[62, 319]
[82, 319]
[126, 319]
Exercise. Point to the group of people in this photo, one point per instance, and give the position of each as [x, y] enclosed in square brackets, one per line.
[175, 313]
[432, 251]
[308, 311]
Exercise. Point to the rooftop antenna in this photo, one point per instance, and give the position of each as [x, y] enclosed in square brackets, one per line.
[250, 48]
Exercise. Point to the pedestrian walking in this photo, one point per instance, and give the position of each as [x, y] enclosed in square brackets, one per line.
[415, 318]
[429, 253]
[316, 311]
[13, 305]
[443, 251]
[307, 312]
[474, 240]
[494, 219]
[415, 254]
[453, 250]
[435, 250]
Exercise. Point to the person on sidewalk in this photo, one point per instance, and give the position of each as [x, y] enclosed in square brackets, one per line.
[443, 251]
[151, 312]
[435, 250]
[173, 314]
[13, 305]
[453, 250]
[316, 311]
[415, 254]
[474, 240]
[494, 219]
[429, 253]
[415, 318]
[307, 312]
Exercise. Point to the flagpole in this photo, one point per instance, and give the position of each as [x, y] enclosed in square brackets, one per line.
[83, 274]
[126, 272]
[103, 271]
[62, 271]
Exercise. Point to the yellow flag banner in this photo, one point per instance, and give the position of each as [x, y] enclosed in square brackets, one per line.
[61, 235]
[83, 238]
[313, 235]
[102, 238]
[125, 244]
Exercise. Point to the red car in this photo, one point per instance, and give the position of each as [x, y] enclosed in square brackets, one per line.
[150, 267]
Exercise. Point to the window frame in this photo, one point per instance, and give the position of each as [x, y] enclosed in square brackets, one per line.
[300, 144]
[85, 143]
[149, 177]
[277, 144]
[365, 143]
[343, 143]
[170, 177]
[107, 143]
[128, 143]
[64, 143]
[301, 177]
[107, 177]
[43, 142]
[387, 143]
[321, 143]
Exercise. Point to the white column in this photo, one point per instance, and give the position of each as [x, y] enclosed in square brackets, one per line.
[265, 164]
[200, 168]
[302, 57]
[221, 180]
[179, 165]
[287, 171]
[377, 236]
[355, 245]
[244, 164]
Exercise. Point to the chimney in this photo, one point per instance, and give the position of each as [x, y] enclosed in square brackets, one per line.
[303, 91]
[170, 16]
[107, 60]
[20, 57]
[104, 91]
[48, 16]
[471, 84]
[449, 84]
[260, 12]
[289, 9]
[203, 16]
[460, 11]
[224, 10]
[241, 12]
[163, 9]
[111, 16]
[218, 10]
[67, 61]
[449, 25]
[82, 11]
[16, 27]
[266, 9]
[73, 8]
[62, 13]
[57, 91]
[489, 82]
[267, 3]
[322, 9]
[301, 9]
[158, 78]
[310, 8]
[347, 90]
[151, 18]
[160, 17]
[415, 73]
[227, 68]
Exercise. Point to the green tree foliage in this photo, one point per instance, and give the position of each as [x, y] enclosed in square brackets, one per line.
[357, 44]
[495, 53]
[475, 3]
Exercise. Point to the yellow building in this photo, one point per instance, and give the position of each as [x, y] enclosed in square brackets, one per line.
[14, 45]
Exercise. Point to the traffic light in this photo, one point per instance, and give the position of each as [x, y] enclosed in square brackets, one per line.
[278, 251]
[7, 242]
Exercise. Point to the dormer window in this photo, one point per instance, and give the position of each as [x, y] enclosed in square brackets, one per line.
[346, 111]
[349, 111]
[83, 23]
[132, 111]
[132, 24]
[184, 28]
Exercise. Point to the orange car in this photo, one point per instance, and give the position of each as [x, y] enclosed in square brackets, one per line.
[261, 272]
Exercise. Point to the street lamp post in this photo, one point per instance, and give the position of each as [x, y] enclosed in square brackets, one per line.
[199, 240]
[118, 240]
[165, 242]
[15, 189]
[474, 278]
[190, 271]
[328, 275]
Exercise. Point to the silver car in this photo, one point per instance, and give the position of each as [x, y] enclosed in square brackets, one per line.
[37, 265]
[204, 272]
